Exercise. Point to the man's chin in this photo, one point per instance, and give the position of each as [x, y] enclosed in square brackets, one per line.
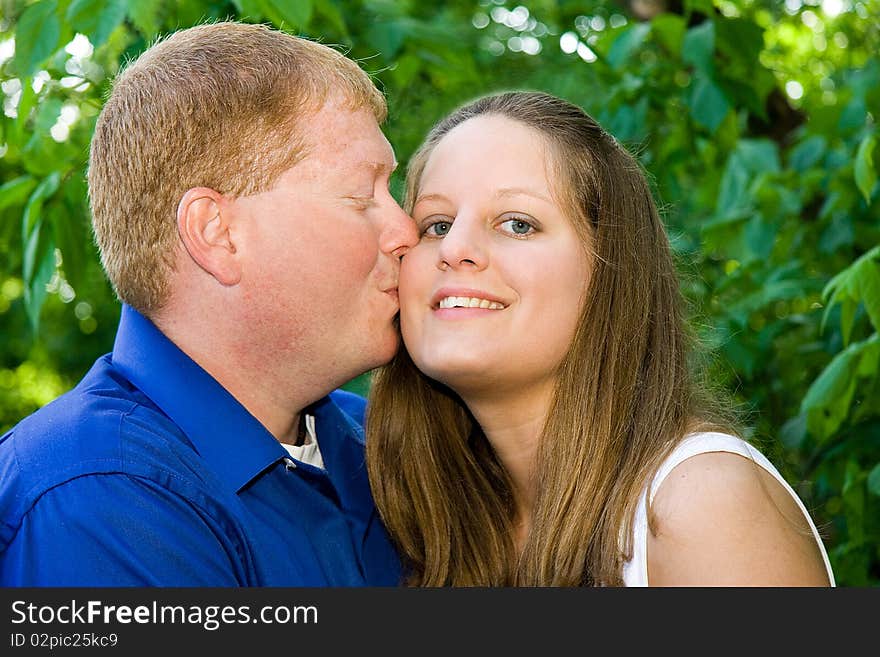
[392, 346]
[384, 349]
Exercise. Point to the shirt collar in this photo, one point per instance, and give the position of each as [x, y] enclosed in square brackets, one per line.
[341, 439]
[235, 445]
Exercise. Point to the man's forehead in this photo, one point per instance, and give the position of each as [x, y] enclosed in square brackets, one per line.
[371, 159]
[362, 146]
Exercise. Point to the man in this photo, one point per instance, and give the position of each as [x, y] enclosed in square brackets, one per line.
[238, 180]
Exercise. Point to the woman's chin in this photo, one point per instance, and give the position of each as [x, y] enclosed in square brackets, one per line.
[459, 374]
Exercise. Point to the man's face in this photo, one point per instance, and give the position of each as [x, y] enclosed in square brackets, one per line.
[325, 245]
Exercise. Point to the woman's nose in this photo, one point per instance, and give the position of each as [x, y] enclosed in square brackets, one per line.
[463, 246]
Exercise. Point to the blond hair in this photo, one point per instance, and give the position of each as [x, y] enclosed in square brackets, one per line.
[625, 394]
[223, 105]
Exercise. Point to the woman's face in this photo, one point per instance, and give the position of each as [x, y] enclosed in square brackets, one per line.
[491, 295]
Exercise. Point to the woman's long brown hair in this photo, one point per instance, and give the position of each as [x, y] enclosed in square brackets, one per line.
[625, 395]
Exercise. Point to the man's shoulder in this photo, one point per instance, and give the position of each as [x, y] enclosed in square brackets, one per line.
[350, 403]
[100, 427]
[92, 420]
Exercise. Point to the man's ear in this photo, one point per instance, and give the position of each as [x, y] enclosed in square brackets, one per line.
[203, 221]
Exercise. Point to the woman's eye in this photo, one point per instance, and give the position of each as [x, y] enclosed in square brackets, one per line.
[517, 226]
[438, 228]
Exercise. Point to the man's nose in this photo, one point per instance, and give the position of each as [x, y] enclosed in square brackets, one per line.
[399, 232]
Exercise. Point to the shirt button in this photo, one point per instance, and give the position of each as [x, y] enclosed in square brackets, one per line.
[289, 463]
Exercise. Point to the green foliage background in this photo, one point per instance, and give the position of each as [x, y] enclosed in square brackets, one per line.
[755, 119]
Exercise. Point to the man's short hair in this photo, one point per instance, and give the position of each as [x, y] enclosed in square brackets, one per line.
[224, 105]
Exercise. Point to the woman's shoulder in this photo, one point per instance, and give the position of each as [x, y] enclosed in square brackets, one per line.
[708, 442]
[715, 495]
[711, 470]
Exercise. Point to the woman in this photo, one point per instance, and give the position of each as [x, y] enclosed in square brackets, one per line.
[541, 426]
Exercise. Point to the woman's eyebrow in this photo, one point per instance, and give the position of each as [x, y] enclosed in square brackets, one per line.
[430, 197]
[521, 191]
[501, 193]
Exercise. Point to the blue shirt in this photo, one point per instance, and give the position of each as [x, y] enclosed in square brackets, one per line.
[149, 473]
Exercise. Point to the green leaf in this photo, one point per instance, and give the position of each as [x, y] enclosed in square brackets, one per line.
[742, 37]
[869, 291]
[36, 37]
[47, 187]
[47, 114]
[740, 73]
[870, 357]
[251, 10]
[807, 153]
[734, 183]
[96, 18]
[628, 41]
[853, 115]
[16, 191]
[288, 14]
[38, 261]
[698, 48]
[386, 37]
[669, 30]
[760, 155]
[71, 233]
[739, 41]
[21, 130]
[750, 158]
[769, 292]
[405, 70]
[331, 12]
[700, 6]
[744, 356]
[725, 234]
[708, 104]
[874, 480]
[144, 14]
[860, 282]
[828, 398]
[759, 237]
[854, 501]
[793, 432]
[39, 256]
[359, 385]
[839, 233]
[628, 122]
[847, 319]
[865, 173]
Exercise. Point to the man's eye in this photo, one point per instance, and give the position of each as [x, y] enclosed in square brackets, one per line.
[438, 228]
[362, 202]
[517, 226]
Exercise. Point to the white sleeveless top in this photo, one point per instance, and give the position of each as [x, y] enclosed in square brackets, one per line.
[635, 571]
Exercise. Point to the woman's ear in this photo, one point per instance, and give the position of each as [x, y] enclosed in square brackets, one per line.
[204, 219]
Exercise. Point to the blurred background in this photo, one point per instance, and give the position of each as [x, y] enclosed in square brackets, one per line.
[755, 119]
